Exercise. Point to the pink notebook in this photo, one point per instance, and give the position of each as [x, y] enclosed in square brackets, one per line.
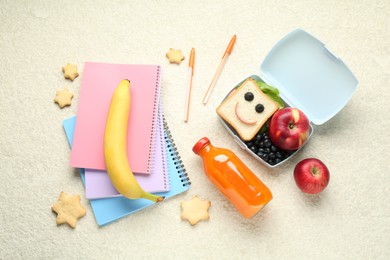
[98, 84]
[98, 184]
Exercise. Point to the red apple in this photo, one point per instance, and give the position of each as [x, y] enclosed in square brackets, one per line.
[311, 175]
[289, 128]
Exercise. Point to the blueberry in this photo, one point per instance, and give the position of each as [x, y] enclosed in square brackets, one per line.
[263, 147]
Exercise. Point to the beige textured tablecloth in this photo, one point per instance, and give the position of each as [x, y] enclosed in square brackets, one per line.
[349, 220]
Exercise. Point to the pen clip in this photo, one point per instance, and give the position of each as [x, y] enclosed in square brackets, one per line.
[230, 46]
[192, 59]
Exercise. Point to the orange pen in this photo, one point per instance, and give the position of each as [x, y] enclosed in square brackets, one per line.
[220, 67]
[189, 88]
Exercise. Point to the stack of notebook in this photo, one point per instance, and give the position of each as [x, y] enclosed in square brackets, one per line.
[152, 154]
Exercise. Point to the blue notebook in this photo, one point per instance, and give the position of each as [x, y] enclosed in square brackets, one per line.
[111, 209]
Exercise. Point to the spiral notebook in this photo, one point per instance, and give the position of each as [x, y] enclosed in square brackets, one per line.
[98, 85]
[98, 184]
[108, 210]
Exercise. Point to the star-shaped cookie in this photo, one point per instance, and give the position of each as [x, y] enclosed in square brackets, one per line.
[63, 98]
[68, 209]
[70, 71]
[175, 56]
[195, 210]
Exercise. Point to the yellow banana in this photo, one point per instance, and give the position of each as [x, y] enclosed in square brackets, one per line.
[115, 153]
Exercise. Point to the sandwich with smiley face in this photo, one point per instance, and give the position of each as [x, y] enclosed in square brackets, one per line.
[247, 109]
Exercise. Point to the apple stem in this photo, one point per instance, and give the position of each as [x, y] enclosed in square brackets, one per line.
[314, 170]
[291, 125]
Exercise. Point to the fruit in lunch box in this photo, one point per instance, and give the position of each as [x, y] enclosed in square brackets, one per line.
[311, 175]
[262, 146]
[289, 128]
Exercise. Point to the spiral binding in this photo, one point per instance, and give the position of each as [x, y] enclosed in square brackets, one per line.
[162, 142]
[154, 119]
[172, 149]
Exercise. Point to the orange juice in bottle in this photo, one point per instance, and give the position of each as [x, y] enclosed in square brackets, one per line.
[233, 178]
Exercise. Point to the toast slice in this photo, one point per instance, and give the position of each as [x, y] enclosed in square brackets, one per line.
[247, 109]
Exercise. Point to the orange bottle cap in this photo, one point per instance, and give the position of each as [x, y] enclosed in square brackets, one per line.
[200, 144]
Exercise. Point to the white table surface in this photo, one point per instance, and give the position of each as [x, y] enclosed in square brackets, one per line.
[349, 220]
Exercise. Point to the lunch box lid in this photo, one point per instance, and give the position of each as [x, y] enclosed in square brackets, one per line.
[309, 76]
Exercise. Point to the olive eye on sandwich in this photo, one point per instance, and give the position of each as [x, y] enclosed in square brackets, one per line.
[259, 108]
[249, 96]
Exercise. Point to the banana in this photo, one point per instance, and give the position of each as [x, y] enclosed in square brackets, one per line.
[115, 153]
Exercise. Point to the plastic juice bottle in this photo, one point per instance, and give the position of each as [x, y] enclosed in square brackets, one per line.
[233, 178]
